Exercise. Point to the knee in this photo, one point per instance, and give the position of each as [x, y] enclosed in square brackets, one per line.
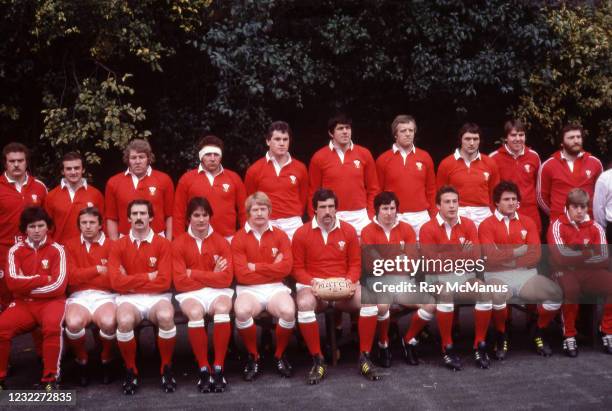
[306, 302]
[194, 313]
[223, 306]
[107, 324]
[75, 323]
[287, 312]
[165, 316]
[243, 311]
[125, 322]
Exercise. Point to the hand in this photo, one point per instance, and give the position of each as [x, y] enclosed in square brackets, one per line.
[152, 275]
[353, 287]
[221, 265]
[313, 283]
[188, 272]
[101, 269]
[251, 266]
[467, 245]
[279, 258]
[520, 251]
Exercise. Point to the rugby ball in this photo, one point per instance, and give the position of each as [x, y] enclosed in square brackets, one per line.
[336, 288]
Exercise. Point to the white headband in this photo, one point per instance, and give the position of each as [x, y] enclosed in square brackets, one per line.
[209, 150]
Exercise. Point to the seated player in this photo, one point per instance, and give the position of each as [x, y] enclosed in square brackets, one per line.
[579, 254]
[386, 230]
[37, 279]
[91, 297]
[511, 243]
[262, 260]
[202, 272]
[140, 270]
[325, 248]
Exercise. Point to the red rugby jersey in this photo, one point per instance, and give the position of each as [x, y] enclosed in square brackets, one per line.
[201, 261]
[83, 274]
[374, 233]
[226, 196]
[247, 249]
[155, 186]
[288, 191]
[153, 254]
[340, 256]
[572, 244]
[354, 181]
[65, 211]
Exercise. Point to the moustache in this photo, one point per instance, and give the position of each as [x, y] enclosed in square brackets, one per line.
[138, 221]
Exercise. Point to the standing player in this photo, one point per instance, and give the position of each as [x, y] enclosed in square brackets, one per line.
[18, 190]
[37, 278]
[203, 272]
[471, 173]
[283, 179]
[262, 260]
[326, 248]
[511, 243]
[139, 181]
[409, 173]
[580, 259]
[139, 267]
[72, 195]
[519, 164]
[91, 297]
[570, 167]
[347, 169]
[221, 187]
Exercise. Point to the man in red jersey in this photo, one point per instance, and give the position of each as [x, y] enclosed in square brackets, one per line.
[203, 272]
[91, 297]
[349, 171]
[262, 260]
[36, 276]
[570, 167]
[445, 238]
[223, 188]
[326, 248]
[140, 269]
[139, 181]
[471, 173]
[73, 194]
[579, 254]
[519, 164]
[283, 178]
[18, 190]
[510, 241]
[383, 233]
[409, 173]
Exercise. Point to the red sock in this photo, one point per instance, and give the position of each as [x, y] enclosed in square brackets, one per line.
[416, 326]
[310, 333]
[198, 338]
[282, 338]
[367, 329]
[166, 340]
[221, 336]
[128, 353]
[445, 325]
[606, 319]
[383, 331]
[499, 319]
[78, 348]
[107, 349]
[545, 316]
[570, 312]
[482, 318]
[249, 339]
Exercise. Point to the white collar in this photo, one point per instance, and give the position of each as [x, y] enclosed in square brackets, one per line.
[397, 148]
[100, 240]
[248, 228]
[31, 244]
[332, 147]
[441, 221]
[512, 153]
[316, 225]
[11, 181]
[190, 232]
[203, 170]
[147, 239]
[500, 216]
[64, 184]
[458, 155]
[567, 159]
[375, 219]
[273, 159]
[148, 173]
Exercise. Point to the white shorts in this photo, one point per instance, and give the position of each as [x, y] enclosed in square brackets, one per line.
[143, 302]
[205, 296]
[299, 286]
[357, 218]
[415, 219]
[515, 279]
[476, 214]
[263, 292]
[91, 299]
[288, 225]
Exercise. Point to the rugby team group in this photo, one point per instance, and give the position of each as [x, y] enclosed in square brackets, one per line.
[228, 250]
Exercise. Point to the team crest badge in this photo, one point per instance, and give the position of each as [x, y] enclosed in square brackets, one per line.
[462, 240]
[419, 165]
[226, 187]
[357, 163]
[523, 234]
[486, 176]
[152, 190]
[528, 168]
[293, 179]
[89, 204]
[12, 304]
[588, 173]
[341, 245]
[103, 261]
[586, 241]
[152, 261]
[45, 264]
[274, 251]
[34, 198]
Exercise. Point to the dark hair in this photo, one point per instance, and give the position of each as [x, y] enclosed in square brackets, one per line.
[33, 214]
[140, 201]
[467, 128]
[198, 202]
[91, 211]
[138, 145]
[340, 118]
[570, 127]
[577, 196]
[72, 155]
[323, 194]
[505, 187]
[514, 124]
[443, 190]
[402, 119]
[281, 126]
[210, 140]
[15, 148]
[384, 198]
